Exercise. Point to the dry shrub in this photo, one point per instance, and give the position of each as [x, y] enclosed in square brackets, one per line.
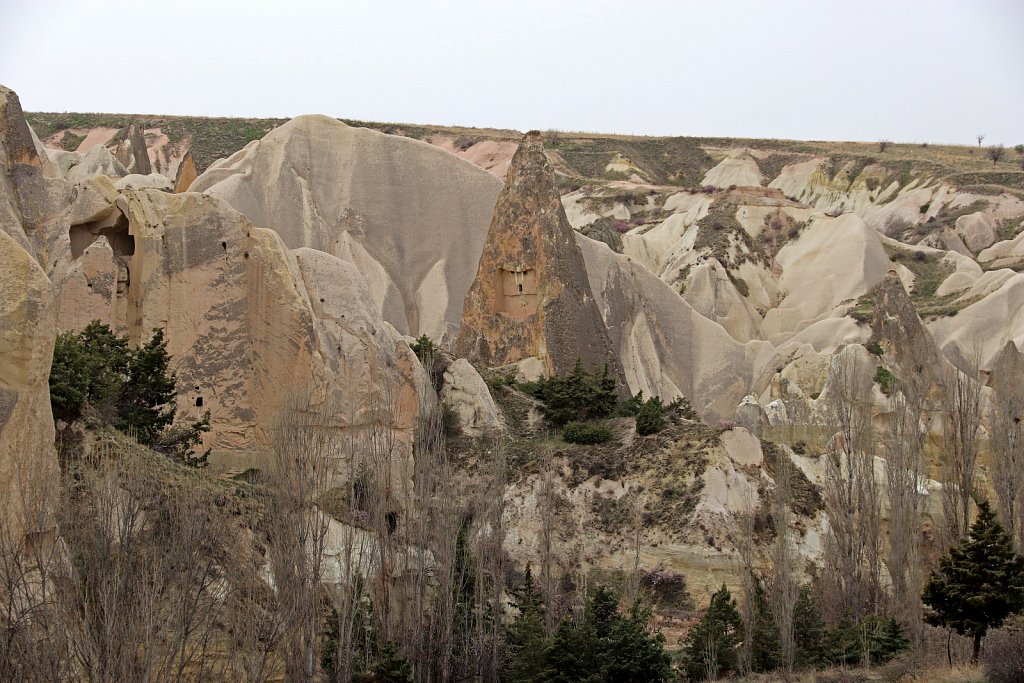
[1003, 658]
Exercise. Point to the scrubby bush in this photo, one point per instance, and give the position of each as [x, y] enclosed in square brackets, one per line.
[885, 380]
[1003, 658]
[649, 418]
[577, 396]
[583, 433]
[423, 347]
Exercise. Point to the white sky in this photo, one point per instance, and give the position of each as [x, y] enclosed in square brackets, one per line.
[908, 70]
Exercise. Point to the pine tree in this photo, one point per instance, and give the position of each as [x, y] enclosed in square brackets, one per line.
[146, 404]
[713, 643]
[649, 418]
[88, 369]
[979, 583]
[606, 646]
[525, 636]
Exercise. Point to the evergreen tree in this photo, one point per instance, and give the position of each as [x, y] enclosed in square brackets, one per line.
[809, 629]
[146, 403]
[606, 646]
[576, 396]
[94, 373]
[649, 418]
[712, 644]
[88, 369]
[525, 637]
[979, 583]
[390, 667]
[766, 653]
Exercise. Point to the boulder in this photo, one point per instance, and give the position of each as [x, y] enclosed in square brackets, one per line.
[978, 230]
[467, 393]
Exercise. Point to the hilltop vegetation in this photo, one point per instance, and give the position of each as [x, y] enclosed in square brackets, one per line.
[674, 161]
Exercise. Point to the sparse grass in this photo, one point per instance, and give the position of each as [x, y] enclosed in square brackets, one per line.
[672, 161]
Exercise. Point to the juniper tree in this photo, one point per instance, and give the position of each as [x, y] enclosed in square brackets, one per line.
[979, 583]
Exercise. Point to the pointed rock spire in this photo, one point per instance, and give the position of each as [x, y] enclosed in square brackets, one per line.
[531, 295]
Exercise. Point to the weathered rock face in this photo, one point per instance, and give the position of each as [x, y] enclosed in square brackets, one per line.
[410, 216]
[467, 394]
[531, 295]
[901, 334]
[186, 174]
[667, 348]
[28, 462]
[131, 150]
[249, 324]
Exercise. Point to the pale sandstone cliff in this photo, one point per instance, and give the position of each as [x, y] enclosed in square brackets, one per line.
[410, 216]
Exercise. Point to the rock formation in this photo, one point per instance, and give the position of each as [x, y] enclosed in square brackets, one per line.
[186, 174]
[131, 150]
[280, 323]
[531, 296]
[28, 463]
[410, 216]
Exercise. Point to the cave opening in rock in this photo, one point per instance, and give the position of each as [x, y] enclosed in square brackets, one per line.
[113, 225]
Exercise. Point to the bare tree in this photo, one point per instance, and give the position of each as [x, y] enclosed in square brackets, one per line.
[995, 153]
[962, 420]
[784, 589]
[904, 478]
[546, 503]
[851, 495]
[302, 450]
[979, 137]
[883, 144]
[1007, 439]
[748, 586]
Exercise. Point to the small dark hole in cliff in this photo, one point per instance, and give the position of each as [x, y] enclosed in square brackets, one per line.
[224, 246]
[245, 255]
[199, 402]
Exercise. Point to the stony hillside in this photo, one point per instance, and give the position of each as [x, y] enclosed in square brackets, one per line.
[764, 281]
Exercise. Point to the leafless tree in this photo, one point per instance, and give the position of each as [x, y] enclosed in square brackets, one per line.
[34, 646]
[961, 423]
[851, 495]
[784, 589]
[883, 144]
[979, 137]
[546, 508]
[748, 585]
[904, 477]
[303, 448]
[1007, 439]
[995, 153]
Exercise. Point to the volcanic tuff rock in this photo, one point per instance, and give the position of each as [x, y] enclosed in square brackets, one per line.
[186, 174]
[280, 323]
[531, 295]
[410, 216]
[131, 150]
[28, 463]
[467, 393]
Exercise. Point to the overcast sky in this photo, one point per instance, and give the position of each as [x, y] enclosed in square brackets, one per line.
[907, 70]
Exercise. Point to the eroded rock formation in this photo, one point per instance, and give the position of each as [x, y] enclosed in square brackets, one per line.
[531, 296]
